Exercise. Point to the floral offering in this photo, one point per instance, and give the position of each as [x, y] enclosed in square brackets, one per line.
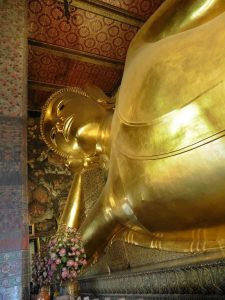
[40, 270]
[67, 255]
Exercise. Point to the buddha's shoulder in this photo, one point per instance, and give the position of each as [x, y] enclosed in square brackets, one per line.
[162, 76]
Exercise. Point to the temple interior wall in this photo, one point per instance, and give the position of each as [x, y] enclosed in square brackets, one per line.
[13, 175]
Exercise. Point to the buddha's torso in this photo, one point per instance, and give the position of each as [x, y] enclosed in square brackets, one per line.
[168, 154]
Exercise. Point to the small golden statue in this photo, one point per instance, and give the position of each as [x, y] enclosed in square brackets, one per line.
[165, 140]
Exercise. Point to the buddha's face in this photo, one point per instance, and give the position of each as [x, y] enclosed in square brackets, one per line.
[71, 124]
[63, 124]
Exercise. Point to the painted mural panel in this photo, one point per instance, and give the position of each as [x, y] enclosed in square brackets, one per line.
[48, 184]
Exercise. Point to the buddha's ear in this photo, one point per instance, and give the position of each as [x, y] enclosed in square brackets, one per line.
[97, 94]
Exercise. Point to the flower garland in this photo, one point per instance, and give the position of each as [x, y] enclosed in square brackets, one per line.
[67, 254]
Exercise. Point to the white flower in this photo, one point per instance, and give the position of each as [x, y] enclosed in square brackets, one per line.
[53, 256]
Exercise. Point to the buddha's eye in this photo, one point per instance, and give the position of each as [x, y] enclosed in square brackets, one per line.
[53, 135]
[61, 107]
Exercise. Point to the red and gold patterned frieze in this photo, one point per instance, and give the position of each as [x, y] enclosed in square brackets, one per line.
[143, 8]
[86, 31]
[44, 67]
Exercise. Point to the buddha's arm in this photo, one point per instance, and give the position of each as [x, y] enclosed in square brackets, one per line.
[99, 226]
[71, 212]
[175, 16]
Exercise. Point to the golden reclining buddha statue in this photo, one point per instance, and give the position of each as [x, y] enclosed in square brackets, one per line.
[165, 141]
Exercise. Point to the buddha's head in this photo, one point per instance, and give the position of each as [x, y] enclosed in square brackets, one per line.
[71, 123]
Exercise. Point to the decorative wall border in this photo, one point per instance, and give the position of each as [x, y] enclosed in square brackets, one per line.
[199, 280]
[109, 11]
[154, 297]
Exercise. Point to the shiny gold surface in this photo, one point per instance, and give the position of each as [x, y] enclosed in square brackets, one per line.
[70, 215]
[75, 126]
[165, 187]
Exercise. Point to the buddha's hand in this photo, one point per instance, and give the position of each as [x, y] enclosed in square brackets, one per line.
[75, 164]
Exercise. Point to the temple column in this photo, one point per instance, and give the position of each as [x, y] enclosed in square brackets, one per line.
[13, 157]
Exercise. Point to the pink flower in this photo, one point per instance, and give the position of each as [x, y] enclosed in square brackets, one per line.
[70, 263]
[50, 273]
[77, 253]
[64, 274]
[73, 248]
[74, 274]
[84, 262]
[62, 252]
[75, 264]
[52, 243]
[53, 267]
[82, 250]
[58, 261]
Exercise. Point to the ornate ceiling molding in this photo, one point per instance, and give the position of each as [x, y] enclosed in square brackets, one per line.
[43, 86]
[108, 11]
[77, 55]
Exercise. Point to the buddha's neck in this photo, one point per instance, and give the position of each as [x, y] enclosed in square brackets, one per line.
[104, 135]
